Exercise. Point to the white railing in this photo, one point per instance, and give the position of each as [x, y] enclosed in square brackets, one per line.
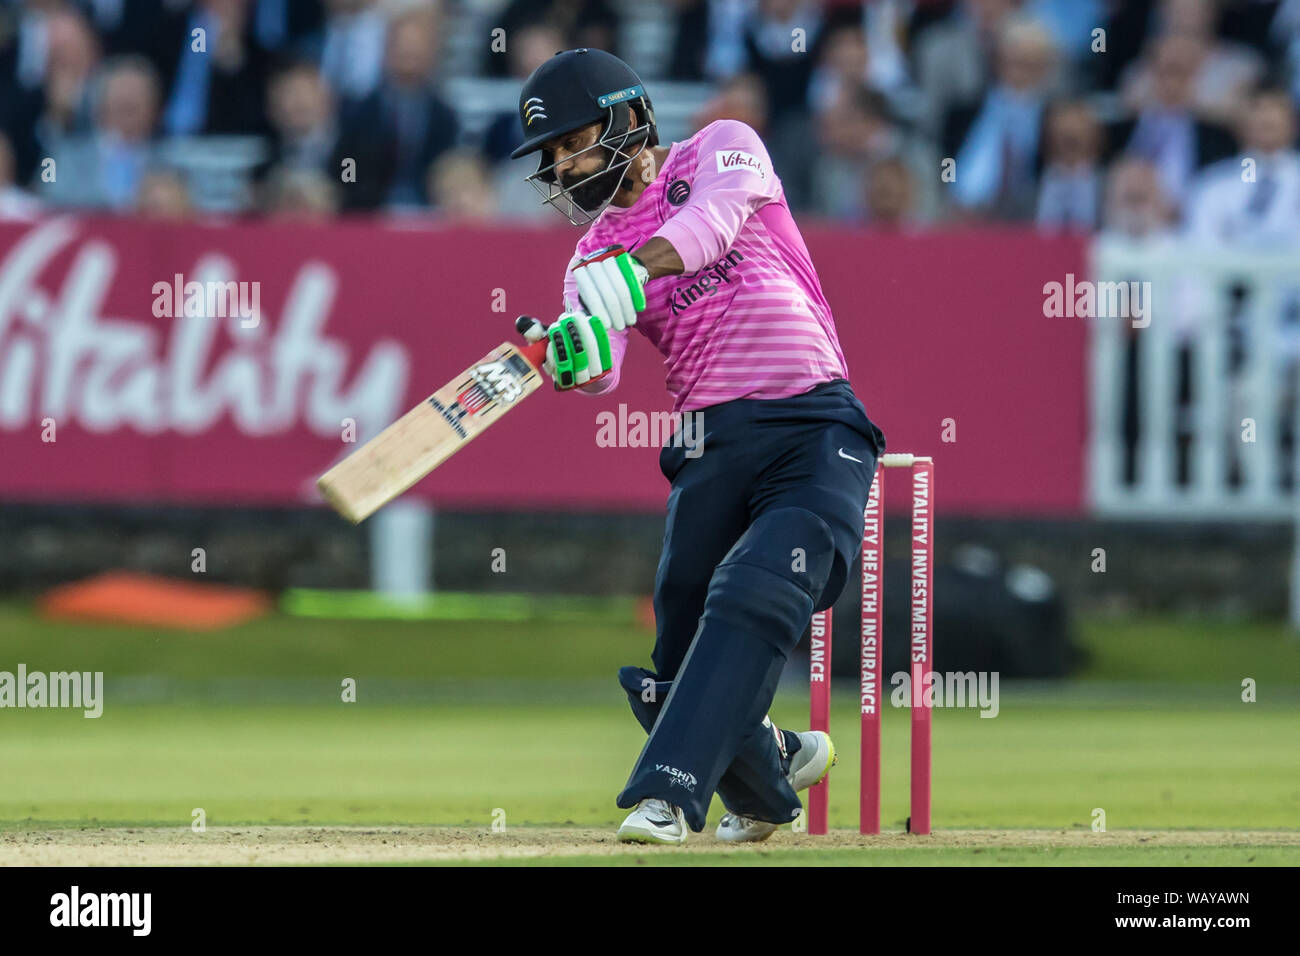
[1222, 329]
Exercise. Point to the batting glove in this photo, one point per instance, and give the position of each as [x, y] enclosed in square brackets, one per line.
[611, 284]
[578, 350]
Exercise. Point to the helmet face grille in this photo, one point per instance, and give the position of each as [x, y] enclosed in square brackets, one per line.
[613, 140]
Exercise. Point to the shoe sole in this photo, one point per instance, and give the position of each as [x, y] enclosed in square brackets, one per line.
[757, 839]
[647, 839]
[834, 759]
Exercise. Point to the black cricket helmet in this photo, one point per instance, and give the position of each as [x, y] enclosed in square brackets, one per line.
[573, 89]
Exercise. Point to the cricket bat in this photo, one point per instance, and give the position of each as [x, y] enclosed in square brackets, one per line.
[433, 431]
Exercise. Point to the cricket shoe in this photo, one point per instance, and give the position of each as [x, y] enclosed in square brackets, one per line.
[810, 765]
[654, 821]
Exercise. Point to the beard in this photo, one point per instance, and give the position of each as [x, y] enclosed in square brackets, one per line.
[591, 191]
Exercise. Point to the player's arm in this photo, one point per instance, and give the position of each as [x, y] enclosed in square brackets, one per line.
[733, 179]
[660, 258]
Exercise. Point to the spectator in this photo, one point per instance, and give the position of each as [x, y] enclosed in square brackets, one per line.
[302, 116]
[461, 187]
[697, 26]
[72, 57]
[24, 49]
[300, 195]
[308, 136]
[532, 46]
[591, 23]
[954, 58]
[1069, 196]
[782, 42]
[889, 195]
[713, 39]
[1222, 72]
[368, 116]
[1166, 130]
[843, 66]
[24, 44]
[887, 67]
[220, 88]
[856, 136]
[781, 57]
[1070, 23]
[164, 197]
[863, 43]
[1253, 198]
[412, 122]
[1136, 206]
[1252, 202]
[1138, 211]
[741, 98]
[998, 156]
[15, 203]
[153, 29]
[287, 26]
[352, 49]
[709, 39]
[1126, 25]
[103, 169]
[1284, 32]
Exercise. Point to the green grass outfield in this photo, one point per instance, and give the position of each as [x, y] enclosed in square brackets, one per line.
[457, 722]
[943, 856]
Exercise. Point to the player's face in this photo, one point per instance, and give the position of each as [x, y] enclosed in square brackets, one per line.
[575, 167]
[582, 170]
[572, 164]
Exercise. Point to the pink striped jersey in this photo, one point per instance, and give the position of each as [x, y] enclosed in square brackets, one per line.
[748, 318]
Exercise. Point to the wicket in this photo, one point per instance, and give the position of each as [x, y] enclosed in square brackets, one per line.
[871, 690]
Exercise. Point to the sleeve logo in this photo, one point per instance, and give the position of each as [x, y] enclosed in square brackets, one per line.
[738, 159]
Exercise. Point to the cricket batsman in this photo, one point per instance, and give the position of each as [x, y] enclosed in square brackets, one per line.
[693, 246]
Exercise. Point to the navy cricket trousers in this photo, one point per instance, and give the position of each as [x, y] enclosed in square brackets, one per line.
[814, 456]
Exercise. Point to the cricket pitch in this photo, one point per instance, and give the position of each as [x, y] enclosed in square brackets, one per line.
[289, 845]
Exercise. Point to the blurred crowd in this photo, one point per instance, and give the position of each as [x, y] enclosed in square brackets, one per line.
[1139, 116]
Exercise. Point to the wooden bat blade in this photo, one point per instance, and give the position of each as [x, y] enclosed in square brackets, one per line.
[432, 431]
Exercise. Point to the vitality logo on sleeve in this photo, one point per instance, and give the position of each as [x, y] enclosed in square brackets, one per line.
[729, 159]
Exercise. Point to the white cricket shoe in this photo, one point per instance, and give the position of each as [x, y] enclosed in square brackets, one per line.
[654, 821]
[810, 765]
[733, 828]
[814, 760]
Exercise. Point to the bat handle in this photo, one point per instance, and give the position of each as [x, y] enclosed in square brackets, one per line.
[534, 352]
